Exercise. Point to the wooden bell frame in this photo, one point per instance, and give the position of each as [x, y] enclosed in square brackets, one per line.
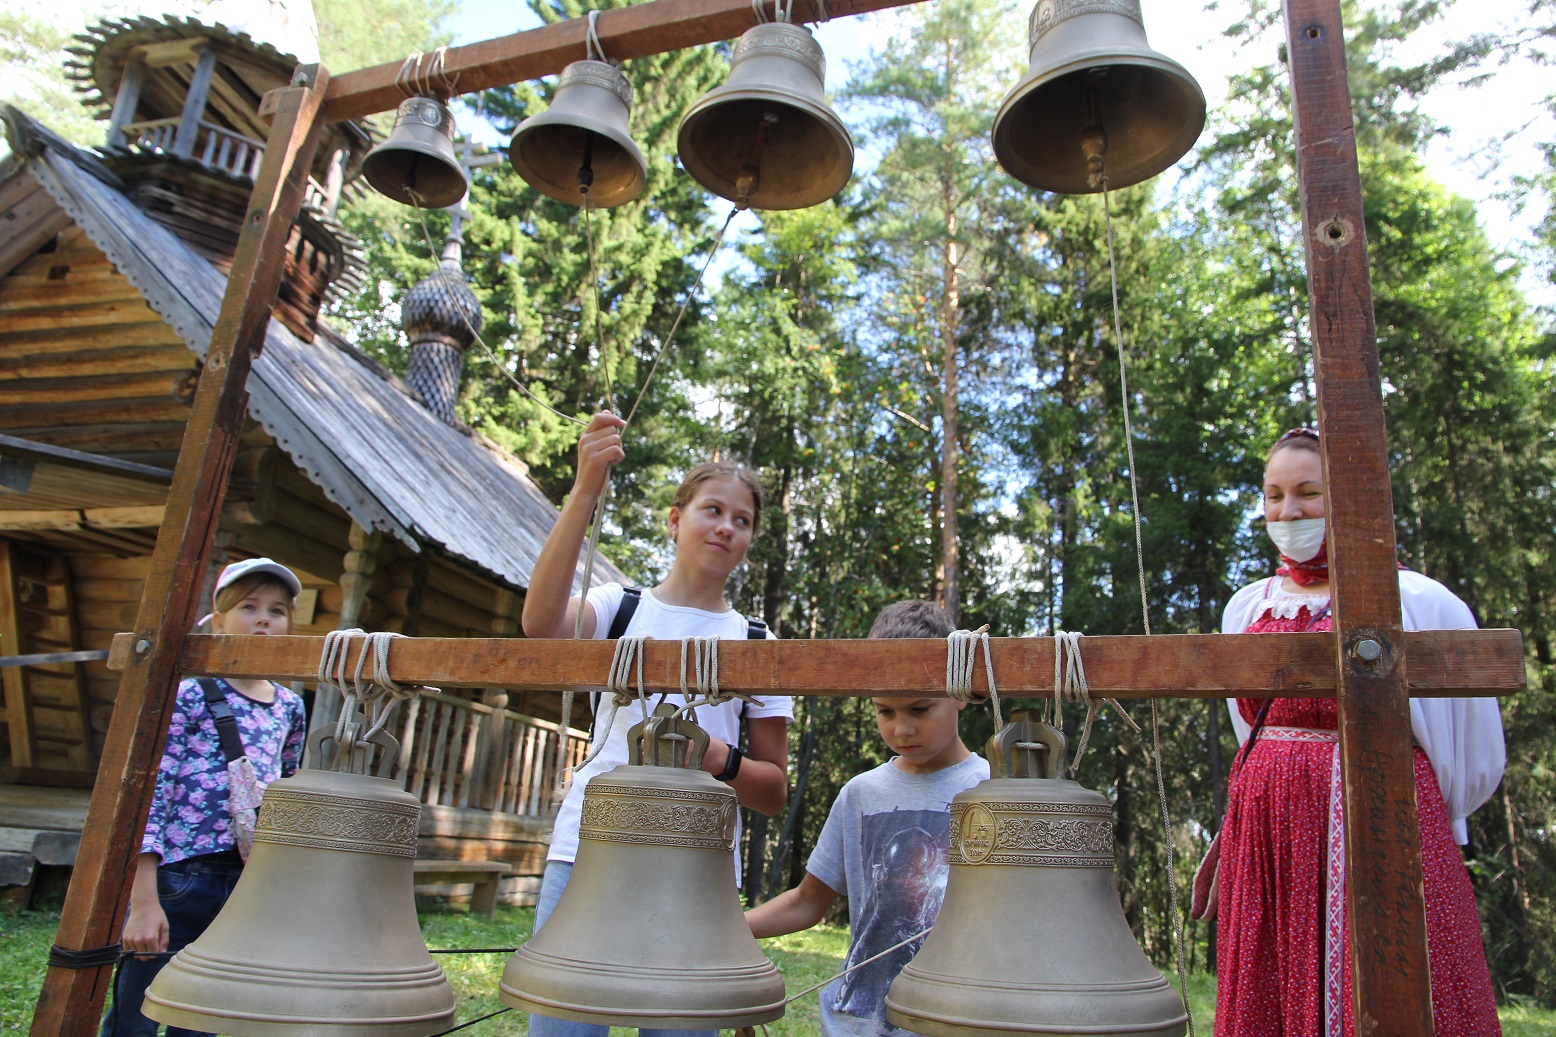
[1364, 665]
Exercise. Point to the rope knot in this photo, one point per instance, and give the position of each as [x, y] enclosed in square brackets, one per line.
[961, 653]
[1070, 686]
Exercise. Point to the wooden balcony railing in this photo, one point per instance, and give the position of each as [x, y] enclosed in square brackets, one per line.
[459, 753]
[215, 147]
[153, 135]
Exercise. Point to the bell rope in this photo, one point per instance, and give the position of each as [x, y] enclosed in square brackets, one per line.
[961, 651]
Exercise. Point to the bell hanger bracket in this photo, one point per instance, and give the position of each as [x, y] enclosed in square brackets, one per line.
[1027, 747]
[353, 754]
[667, 739]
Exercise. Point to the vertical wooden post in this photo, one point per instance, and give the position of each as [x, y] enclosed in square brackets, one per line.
[126, 100]
[356, 580]
[13, 679]
[71, 1000]
[1382, 835]
[194, 103]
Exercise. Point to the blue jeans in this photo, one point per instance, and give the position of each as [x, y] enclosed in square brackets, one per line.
[192, 891]
[551, 886]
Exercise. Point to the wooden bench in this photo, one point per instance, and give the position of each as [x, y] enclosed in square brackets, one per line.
[484, 875]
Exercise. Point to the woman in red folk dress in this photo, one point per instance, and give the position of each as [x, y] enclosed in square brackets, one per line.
[1283, 954]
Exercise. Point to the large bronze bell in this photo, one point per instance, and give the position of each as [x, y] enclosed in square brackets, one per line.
[580, 149]
[1095, 95]
[767, 139]
[649, 931]
[319, 937]
[1030, 938]
[416, 163]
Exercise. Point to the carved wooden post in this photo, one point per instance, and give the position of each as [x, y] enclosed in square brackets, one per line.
[194, 103]
[1387, 917]
[125, 101]
[494, 739]
[81, 964]
[355, 580]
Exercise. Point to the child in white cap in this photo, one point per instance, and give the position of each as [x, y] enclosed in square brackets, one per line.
[227, 740]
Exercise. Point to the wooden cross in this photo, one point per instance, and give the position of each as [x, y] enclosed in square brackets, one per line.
[1370, 665]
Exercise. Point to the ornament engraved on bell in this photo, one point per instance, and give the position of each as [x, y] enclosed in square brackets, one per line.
[336, 823]
[1049, 13]
[975, 832]
[597, 73]
[801, 49]
[419, 109]
[625, 813]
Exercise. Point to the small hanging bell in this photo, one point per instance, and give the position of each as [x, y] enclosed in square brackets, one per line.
[1095, 95]
[581, 148]
[416, 163]
[649, 931]
[767, 139]
[1030, 938]
[319, 937]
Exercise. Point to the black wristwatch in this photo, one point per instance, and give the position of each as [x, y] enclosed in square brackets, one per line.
[732, 765]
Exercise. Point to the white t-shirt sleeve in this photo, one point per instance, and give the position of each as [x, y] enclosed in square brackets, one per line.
[1462, 737]
[827, 862]
[605, 600]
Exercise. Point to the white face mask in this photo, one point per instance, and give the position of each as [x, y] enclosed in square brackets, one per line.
[1298, 539]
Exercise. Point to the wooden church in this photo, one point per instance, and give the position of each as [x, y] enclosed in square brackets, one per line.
[396, 516]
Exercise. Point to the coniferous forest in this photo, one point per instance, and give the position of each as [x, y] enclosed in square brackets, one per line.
[934, 351]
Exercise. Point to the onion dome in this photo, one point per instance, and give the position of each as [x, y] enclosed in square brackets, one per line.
[440, 316]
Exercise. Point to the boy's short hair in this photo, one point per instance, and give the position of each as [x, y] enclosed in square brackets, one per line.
[912, 619]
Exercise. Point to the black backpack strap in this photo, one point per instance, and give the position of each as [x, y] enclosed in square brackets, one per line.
[630, 596]
[221, 712]
[756, 630]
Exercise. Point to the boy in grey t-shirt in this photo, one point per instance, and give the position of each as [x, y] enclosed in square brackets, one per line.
[885, 843]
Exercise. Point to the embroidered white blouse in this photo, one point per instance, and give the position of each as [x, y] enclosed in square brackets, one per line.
[1461, 737]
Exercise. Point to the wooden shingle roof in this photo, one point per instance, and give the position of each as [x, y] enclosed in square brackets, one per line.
[350, 425]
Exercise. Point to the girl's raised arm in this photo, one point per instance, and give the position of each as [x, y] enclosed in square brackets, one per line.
[550, 609]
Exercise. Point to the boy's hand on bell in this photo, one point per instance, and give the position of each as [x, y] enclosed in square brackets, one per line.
[598, 448]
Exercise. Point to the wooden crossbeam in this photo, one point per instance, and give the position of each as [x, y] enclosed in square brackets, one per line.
[1444, 662]
[625, 32]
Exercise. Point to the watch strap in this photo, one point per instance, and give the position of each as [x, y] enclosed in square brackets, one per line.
[732, 766]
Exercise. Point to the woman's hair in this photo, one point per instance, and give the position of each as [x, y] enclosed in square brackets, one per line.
[229, 596]
[1296, 439]
[721, 470]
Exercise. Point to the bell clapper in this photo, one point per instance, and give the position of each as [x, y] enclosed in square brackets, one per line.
[1094, 142]
[750, 177]
[586, 167]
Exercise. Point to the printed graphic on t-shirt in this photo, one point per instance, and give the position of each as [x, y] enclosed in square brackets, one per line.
[905, 854]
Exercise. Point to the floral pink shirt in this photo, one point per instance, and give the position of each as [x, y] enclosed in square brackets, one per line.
[189, 813]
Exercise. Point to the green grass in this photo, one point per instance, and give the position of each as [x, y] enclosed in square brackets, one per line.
[805, 959]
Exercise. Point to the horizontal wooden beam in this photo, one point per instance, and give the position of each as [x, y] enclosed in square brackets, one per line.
[148, 516]
[1441, 663]
[625, 32]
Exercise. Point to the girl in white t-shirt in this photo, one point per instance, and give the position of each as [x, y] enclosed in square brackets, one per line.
[712, 519]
